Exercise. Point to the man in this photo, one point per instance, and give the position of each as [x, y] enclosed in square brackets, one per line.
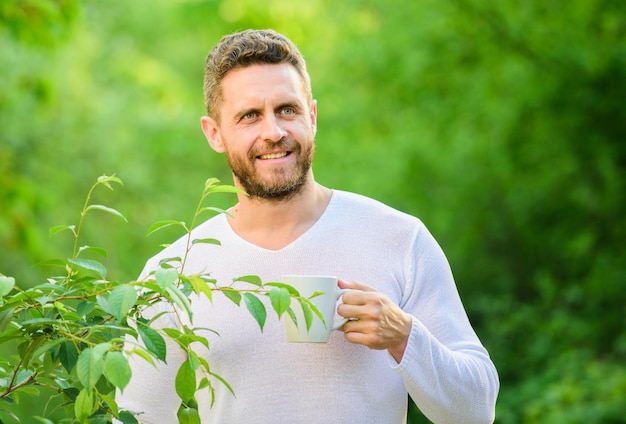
[408, 331]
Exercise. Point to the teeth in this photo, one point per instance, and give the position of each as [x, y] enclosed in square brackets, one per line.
[273, 155]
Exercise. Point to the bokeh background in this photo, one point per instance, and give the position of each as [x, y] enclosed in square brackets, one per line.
[502, 125]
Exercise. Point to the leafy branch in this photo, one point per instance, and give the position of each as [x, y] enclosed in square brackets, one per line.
[74, 332]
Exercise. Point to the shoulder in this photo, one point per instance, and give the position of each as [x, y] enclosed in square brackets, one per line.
[363, 207]
[365, 216]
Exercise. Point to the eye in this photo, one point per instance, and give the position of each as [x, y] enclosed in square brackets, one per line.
[248, 116]
[289, 111]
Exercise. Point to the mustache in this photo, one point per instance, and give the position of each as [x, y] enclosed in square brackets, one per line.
[292, 146]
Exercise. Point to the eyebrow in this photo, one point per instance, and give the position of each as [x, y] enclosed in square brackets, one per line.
[292, 104]
[246, 111]
[295, 105]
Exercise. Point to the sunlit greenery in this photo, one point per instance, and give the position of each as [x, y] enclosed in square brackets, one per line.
[500, 124]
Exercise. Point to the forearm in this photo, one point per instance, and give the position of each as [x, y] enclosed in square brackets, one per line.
[450, 384]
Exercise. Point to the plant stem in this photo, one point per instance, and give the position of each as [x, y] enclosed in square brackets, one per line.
[82, 218]
[191, 227]
[12, 386]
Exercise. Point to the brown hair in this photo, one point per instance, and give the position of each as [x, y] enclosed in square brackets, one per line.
[247, 48]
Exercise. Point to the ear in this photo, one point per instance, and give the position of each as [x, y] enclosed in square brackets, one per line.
[212, 133]
[313, 116]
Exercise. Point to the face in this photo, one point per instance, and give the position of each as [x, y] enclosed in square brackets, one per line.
[267, 130]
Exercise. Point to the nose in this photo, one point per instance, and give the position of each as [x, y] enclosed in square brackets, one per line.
[271, 130]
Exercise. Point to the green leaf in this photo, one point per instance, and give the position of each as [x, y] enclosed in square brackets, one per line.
[104, 303]
[224, 188]
[167, 261]
[106, 209]
[110, 401]
[223, 381]
[22, 376]
[166, 277]
[70, 393]
[84, 405]
[68, 355]
[164, 224]
[213, 209]
[187, 415]
[292, 291]
[211, 182]
[90, 264]
[186, 382]
[6, 285]
[27, 348]
[306, 312]
[52, 262]
[120, 301]
[206, 241]
[180, 300]
[84, 308]
[308, 309]
[256, 308]
[204, 383]
[232, 294]
[89, 367]
[127, 418]
[51, 286]
[46, 347]
[199, 285]
[144, 355]
[100, 251]
[252, 279]
[30, 391]
[6, 317]
[50, 362]
[315, 294]
[117, 369]
[153, 341]
[100, 349]
[68, 316]
[59, 228]
[280, 298]
[314, 308]
[106, 179]
[173, 333]
[193, 337]
[194, 362]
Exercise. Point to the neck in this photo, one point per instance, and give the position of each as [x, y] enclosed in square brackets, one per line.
[274, 224]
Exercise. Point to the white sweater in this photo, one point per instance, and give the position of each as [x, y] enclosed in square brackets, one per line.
[445, 369]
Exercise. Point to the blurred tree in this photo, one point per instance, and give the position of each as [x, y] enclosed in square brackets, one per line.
[30, 32]
[501, 125]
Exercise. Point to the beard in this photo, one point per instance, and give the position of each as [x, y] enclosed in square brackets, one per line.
[284, 182]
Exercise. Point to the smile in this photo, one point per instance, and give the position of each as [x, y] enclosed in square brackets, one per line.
[273, 155]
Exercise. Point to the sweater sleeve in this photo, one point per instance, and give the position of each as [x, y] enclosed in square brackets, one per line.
[445, 368]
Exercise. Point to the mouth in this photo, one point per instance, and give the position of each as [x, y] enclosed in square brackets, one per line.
[277, 155]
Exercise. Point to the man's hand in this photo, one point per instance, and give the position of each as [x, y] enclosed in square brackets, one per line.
[375, 321]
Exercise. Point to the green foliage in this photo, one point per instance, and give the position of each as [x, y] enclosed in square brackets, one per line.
[500, 124]
[70, 331]
[38, 22]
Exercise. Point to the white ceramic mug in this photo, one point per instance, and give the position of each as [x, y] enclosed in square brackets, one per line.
[326, 303]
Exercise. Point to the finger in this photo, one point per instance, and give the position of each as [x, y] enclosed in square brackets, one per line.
[355, 297]
[357, 310]
[354, 285]
[357, 338]
[347, 323]
[354, 332]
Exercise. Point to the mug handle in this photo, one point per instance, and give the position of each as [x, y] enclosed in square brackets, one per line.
[338, 324]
